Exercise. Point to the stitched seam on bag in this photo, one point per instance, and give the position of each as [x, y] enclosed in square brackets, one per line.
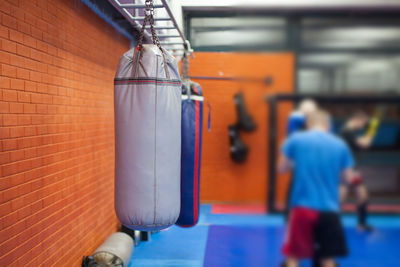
[155, 148]
[148, 225]
[134, 62]
[145, 79]
[147, 82]
[161, 81]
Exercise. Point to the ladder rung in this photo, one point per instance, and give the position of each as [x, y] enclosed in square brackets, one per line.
[172, 43]
[168, 36]
[161, 27]
[138, 6]
[142, 18]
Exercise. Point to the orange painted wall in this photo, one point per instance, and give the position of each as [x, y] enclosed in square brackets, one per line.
[222, 179]
[57, 64]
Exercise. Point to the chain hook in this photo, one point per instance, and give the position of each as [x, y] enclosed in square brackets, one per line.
[149, 11]
[149, 17]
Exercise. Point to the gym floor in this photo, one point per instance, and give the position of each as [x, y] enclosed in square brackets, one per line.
[237, 237]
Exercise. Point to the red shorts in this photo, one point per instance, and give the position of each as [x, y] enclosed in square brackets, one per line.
[299, 241]
[314, 233]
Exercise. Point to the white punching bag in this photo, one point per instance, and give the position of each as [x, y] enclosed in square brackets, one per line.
[147, 96]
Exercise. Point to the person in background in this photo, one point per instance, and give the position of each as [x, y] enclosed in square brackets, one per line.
[297, 119]
[319, 160]
[297, 122]
[351, 134]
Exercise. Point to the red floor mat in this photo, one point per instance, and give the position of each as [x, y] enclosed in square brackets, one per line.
[378, 208]
[261, 209]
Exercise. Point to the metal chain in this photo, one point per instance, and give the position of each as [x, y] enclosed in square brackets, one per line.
[154, 36]
[149, 17]
[141, 34]
[185, 67]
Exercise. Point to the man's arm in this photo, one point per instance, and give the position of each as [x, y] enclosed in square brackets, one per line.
[285, 161]
[348, 175]
[365, 141]
[284, 164]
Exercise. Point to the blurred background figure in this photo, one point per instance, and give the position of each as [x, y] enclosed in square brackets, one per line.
[319, 160]
[354, 131]
[358, 137]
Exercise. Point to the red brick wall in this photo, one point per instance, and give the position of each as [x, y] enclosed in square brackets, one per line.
[57, 62]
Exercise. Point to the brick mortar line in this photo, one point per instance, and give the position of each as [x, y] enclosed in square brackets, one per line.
[65, 207]
[77, 244]
[86, 131]
[66, 105]
[51, 174]
[74, 70]
[103, 173]
[76, 32]
[56, 105]
[52, 154]
[51, 205]
[72, 248]
[61, 77]
[51, 165]
[44, 156]
[74, 26]
[52, 134]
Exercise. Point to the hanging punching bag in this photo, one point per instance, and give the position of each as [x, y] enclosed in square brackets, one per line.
[238, 149]
[192, 121]
[147, 136]
[244, 121]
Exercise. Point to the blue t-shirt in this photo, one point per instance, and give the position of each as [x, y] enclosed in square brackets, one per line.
[319, 159]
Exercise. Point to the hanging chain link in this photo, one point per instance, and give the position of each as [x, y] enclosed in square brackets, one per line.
[185, 67]
[149, 17]
[141, 34]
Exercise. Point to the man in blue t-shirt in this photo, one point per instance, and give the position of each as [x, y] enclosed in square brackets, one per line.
[319, 160]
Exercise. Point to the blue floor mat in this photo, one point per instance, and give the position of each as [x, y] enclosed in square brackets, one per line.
[378, 248]
[255, 240]
[252, 246]
[174, 247]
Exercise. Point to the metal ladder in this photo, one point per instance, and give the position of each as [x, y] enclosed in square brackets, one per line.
[131, 12]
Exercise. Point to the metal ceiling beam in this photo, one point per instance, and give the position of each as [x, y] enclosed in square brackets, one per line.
[138, 6]
[134, 19]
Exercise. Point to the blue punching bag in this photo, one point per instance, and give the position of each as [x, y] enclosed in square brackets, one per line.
[296, 122]
[191, 134]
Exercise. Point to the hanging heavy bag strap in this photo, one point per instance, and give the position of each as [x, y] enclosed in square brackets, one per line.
[185, 74]
[138, 53]
[188, 83]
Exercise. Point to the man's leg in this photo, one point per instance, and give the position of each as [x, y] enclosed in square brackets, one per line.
[328, 262]
[343, 192]
[330, 239]
[292, 262]
[299, 239]
[362, 206]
